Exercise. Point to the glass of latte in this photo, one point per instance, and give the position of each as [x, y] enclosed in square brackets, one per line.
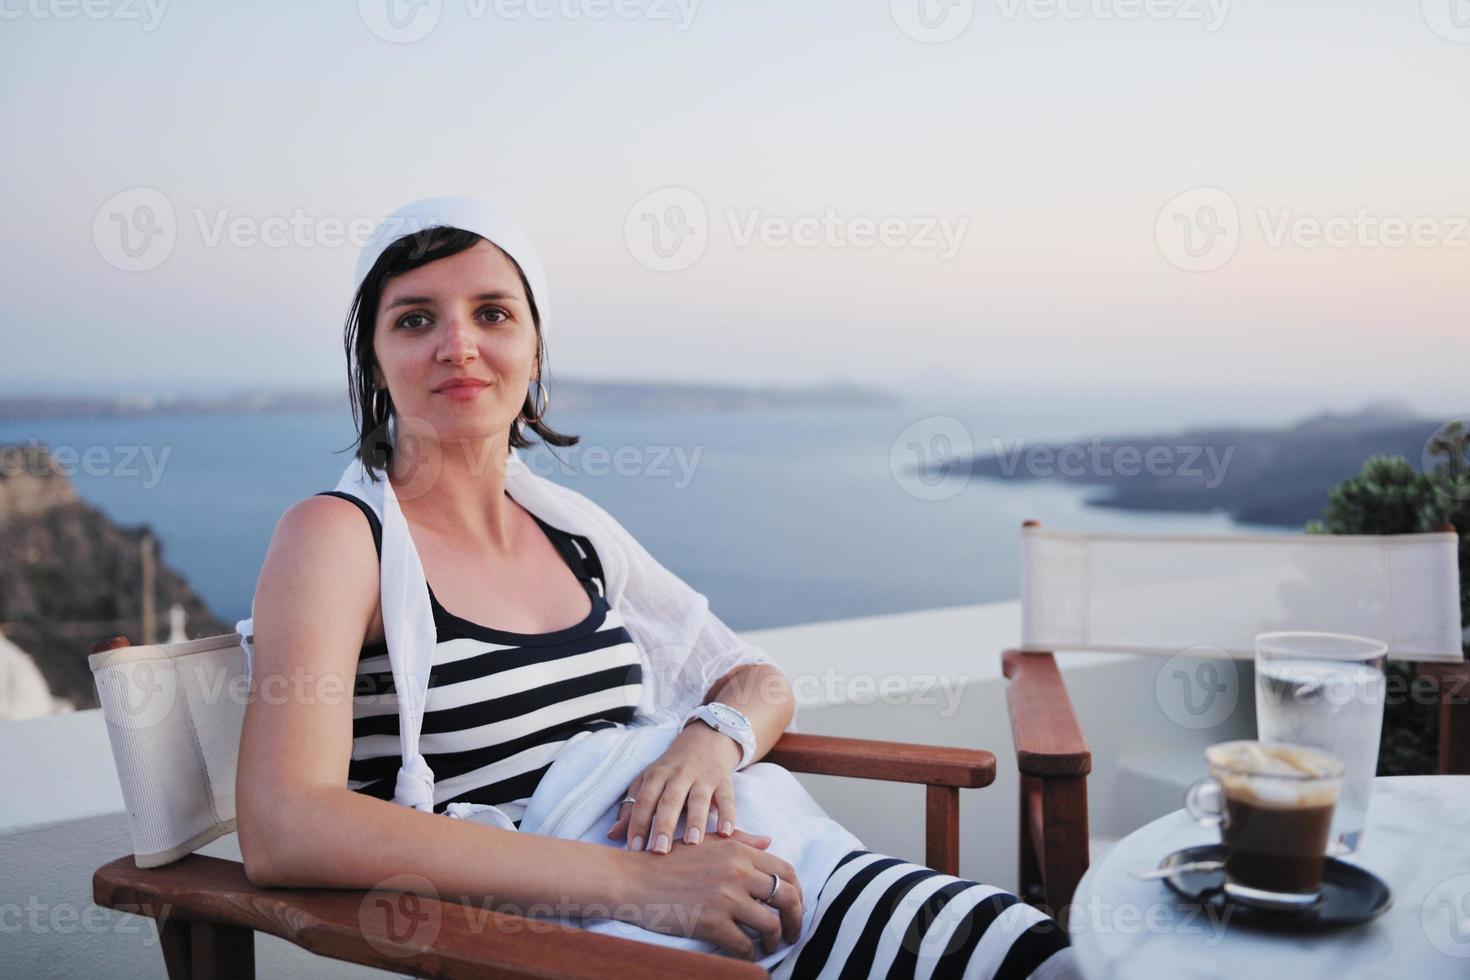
[1273, 804]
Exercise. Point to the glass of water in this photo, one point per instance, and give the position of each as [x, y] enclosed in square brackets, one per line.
[1326, 691]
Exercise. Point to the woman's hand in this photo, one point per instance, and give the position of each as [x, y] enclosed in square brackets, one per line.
[709, 892]
[695, 772]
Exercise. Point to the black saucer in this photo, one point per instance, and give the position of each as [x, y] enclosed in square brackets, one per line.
[1350, 895]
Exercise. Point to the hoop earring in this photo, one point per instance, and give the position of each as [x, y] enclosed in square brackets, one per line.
[380, 413]
[545, 402]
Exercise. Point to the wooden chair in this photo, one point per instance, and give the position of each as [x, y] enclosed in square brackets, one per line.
[1080, 597]
[207, 911]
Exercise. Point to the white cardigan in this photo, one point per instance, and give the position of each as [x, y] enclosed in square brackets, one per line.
[684, 647]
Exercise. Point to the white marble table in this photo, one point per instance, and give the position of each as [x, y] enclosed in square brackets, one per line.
[1417, 840]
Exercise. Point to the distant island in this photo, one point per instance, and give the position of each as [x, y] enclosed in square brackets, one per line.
[1278, 477]
[567, 396]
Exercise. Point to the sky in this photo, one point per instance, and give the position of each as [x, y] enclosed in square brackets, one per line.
[1219, 201]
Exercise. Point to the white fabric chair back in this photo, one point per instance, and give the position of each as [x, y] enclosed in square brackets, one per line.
[1163, 594]
[174, 714]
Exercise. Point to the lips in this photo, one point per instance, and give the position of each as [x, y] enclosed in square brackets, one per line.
[462, 385]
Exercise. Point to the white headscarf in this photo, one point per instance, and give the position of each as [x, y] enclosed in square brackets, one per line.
[466, 214]
[684, 648]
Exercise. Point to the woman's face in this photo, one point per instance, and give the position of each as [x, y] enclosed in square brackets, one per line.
[459, 318]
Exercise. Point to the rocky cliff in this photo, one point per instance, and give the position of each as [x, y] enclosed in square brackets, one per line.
[70, 576]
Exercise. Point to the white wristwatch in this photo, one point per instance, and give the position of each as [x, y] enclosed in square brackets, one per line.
[725, 719]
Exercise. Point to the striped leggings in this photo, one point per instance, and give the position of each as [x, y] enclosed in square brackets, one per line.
[880, 916]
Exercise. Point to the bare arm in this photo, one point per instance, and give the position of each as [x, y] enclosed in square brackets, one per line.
[299, 824]
[761, 693]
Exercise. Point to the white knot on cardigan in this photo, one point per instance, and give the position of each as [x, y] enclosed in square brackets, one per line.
[683, 646]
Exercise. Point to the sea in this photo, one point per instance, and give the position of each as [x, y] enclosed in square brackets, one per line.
[777, 516]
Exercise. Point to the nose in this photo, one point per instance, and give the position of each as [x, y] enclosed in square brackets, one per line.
[458, 342]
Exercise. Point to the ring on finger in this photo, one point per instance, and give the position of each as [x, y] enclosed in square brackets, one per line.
[626, 801]
[775, 886]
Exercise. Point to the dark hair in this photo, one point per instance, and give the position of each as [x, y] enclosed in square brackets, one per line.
[370, 417]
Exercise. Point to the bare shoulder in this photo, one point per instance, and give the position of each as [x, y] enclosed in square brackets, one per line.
[326, 522]
[320, 576]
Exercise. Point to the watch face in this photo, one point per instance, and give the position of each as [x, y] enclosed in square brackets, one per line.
[728, 715]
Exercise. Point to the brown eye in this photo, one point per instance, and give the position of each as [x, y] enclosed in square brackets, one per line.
[403, 321]
[495, 309]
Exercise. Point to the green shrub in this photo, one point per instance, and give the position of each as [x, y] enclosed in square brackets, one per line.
[1391, 497]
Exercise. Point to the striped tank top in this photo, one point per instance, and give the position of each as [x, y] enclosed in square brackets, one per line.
[500, 705]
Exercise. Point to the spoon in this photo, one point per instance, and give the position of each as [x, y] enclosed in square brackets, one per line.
[1187, 867]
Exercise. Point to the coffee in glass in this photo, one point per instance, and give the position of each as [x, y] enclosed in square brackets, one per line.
[1273, 805]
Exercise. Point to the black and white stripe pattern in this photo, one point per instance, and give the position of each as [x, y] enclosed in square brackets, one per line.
[880, 916]
[500, 706]
[496, 714]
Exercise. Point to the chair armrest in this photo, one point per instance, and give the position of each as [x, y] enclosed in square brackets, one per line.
[898, 762]
[444, 938]
[1048, 739]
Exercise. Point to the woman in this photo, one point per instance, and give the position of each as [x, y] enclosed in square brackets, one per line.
[594, 644]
